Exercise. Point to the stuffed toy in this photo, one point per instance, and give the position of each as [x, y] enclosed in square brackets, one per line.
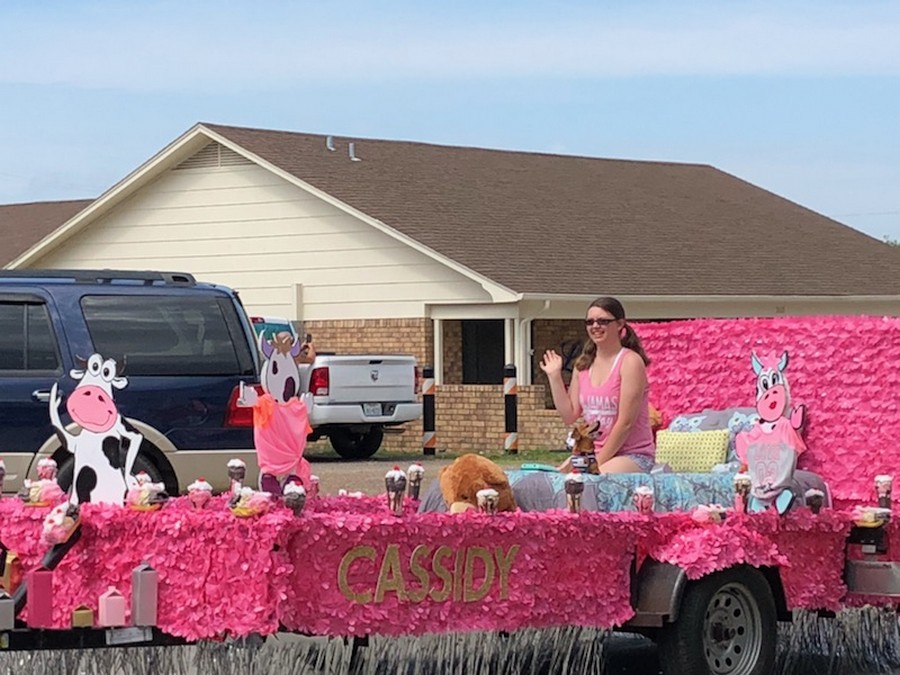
[461, 481]
[581, 444]
[770, 448]
[280, 418]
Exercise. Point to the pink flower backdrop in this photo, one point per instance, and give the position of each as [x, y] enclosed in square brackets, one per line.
[845, 369]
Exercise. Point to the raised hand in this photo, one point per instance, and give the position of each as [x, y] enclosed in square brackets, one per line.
[551, 363]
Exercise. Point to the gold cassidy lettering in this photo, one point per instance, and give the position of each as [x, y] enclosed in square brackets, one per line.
[467, 574]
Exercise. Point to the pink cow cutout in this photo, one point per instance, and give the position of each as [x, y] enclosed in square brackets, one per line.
[770, 449]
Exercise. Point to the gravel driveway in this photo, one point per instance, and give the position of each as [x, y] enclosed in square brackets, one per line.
[368, 475]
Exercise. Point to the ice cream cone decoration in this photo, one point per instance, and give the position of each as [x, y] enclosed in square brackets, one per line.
[814, 499]
[643, 499]
[742, 485]
[883, 490]
[47, 468]
[414, 475]
[237, 472]
[488, 499]
[395, 483]
[199, 492]
[294, 497]
[574, 490]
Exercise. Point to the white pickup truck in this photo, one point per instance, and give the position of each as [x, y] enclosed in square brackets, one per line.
[355, 396]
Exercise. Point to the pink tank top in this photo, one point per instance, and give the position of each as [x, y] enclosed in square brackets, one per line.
[601, 404]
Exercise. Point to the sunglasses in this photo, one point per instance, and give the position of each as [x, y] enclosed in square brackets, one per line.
[599, 322]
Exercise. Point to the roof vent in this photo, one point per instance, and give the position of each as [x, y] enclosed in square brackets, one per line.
[352, 150]
[213, 156]
[329, 143]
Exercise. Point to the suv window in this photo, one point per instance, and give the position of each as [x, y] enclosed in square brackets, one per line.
[27, 341]
[169, 335]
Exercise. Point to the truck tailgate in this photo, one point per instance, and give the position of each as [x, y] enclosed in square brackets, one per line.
[362, 378]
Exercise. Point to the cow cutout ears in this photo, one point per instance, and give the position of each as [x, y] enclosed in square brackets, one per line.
[771, 447]
[281, 413]
[105, 450]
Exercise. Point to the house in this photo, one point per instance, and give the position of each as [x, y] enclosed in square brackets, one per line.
[466, 257]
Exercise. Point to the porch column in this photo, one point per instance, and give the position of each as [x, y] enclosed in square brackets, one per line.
[509, 341]
[523, 351]
[438, 356]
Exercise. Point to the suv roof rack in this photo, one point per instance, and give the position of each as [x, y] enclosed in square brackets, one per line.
[102, 276]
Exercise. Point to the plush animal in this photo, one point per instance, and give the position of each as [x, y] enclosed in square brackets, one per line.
[461, 481]
[581, 444]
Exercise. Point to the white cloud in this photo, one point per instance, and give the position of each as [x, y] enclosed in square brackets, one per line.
[173, 47]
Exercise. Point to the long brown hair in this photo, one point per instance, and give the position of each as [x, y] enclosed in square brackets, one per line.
[630, 340]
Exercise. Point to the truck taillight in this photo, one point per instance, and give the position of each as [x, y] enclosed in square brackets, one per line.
[235, 415]
[318, 381]
[417, 374]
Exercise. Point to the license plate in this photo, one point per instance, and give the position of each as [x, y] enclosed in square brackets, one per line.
[372, 409]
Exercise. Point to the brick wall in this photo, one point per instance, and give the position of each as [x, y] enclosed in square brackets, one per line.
[471, 418]
[373, 336]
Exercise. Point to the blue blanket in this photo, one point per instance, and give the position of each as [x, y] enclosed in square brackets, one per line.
[544, 490]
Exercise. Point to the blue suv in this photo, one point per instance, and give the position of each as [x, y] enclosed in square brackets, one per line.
[185, 347]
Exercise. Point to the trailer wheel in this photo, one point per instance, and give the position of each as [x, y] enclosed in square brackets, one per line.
[726, 626]
[353, 445]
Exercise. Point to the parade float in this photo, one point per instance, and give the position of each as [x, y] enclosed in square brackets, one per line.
[706, 560]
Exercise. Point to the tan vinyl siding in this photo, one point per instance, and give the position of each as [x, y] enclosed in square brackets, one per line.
[246, 228]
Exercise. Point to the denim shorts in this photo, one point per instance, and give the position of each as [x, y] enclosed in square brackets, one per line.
[644, 462]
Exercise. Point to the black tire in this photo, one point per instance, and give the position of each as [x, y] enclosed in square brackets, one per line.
[727, 625]
[141, 463]
[352, 445]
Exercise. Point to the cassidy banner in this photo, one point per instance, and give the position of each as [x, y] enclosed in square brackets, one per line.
[472, 572]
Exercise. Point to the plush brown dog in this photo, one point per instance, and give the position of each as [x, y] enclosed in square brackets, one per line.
[581, 444]
[461, 481]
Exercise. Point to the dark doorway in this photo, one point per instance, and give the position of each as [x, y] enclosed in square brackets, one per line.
[482, 351]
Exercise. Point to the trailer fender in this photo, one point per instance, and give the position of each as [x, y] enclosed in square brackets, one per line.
[657, 591]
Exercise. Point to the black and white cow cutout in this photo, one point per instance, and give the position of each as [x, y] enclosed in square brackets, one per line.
[107, 446]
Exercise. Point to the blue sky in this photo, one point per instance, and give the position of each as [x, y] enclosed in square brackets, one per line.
[800, 98]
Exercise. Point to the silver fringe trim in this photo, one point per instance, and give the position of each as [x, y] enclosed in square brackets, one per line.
[863, 640]
[565, 650]
[118, 661]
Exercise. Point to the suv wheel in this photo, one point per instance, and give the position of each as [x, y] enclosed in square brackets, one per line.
[352, 445]
[141, 463]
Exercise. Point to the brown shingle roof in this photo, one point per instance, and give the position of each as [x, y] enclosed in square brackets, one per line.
[24, 225]
[540, 223]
